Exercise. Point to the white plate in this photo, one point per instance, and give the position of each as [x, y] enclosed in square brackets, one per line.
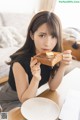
[40, 108]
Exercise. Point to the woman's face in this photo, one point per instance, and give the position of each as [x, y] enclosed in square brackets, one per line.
[43, 40]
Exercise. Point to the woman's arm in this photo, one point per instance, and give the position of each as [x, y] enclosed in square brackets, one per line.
[54, 83]
[24, 89]
[67, 58]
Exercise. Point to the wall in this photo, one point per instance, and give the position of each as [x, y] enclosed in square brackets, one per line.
[68, 13]
[19, 6]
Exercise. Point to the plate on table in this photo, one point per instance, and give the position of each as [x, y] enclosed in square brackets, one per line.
[40, 108]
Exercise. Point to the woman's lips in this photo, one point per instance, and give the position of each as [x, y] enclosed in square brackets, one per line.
[46, 49]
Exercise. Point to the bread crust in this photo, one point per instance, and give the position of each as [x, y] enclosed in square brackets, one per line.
[49, 59]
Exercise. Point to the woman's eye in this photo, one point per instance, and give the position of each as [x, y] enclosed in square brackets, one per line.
[42, 35]
[53, 36]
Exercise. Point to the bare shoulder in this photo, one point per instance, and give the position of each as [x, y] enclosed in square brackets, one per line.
[17, 67]
[19, 72]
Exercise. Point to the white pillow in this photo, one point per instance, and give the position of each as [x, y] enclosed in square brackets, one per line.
[4, 57]
[9, 37]
[4, 70]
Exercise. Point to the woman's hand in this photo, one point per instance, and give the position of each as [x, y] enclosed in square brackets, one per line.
[67, 57]
[35, 69]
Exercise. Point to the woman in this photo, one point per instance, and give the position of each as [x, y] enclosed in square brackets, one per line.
[27, 74]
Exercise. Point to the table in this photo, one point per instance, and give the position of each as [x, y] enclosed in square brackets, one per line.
[70, 81]
[15, 114]
[3, 79]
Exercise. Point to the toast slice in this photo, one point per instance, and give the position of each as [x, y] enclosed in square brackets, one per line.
[49, 58]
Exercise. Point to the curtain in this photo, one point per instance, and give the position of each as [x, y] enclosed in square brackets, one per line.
[48, 5]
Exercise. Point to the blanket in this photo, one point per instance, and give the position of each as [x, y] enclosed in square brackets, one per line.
[9, 37]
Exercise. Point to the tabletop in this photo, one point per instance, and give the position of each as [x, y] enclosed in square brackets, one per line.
[15, 114]
[70, 81]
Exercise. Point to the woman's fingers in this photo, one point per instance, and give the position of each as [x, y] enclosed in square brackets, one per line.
[67, 57]
[34, 62]
[35, 68]
[67, 51]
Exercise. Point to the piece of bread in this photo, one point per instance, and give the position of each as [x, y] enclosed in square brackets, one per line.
[49, 54]
[49, 58]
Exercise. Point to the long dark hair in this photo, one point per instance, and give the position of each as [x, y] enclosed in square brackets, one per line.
[40, 18]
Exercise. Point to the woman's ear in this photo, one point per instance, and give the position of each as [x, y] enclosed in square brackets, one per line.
[31, 35]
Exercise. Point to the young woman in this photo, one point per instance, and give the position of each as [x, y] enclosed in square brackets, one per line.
[27, 74]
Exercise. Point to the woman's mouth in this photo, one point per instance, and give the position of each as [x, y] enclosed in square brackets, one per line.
[46, 49]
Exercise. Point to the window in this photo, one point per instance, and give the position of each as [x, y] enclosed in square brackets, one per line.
[69, 13]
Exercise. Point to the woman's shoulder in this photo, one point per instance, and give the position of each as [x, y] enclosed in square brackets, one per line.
[23, 60]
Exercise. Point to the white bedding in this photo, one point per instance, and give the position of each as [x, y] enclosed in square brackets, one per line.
[10, 41]
[4, 56]
[10, 37]
[6, 52]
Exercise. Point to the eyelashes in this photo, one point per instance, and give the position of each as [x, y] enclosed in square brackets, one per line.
[41, 35]
[44, 36]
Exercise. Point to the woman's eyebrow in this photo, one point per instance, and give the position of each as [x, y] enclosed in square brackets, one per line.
[43, 33]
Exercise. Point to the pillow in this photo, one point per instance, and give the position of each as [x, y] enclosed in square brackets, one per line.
[18, 20]
[4, 70]
[4, 57]
[71, 33]
[2, 23]
[9, 37]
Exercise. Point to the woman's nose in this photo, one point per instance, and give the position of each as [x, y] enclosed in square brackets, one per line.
[47, 41]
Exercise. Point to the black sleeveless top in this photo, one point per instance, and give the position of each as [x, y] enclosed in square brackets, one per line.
[25, 63]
